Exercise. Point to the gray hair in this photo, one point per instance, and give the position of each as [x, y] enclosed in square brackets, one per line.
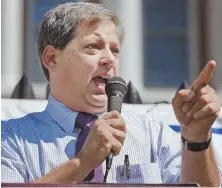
[60, 23]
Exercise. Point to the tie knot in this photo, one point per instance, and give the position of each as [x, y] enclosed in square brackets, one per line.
[84, 119]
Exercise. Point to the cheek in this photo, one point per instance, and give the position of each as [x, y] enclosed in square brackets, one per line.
[116, 69]
[81, 64]
[85, 68]
[90, 62]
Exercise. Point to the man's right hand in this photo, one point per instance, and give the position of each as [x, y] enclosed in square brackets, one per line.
[107, 135]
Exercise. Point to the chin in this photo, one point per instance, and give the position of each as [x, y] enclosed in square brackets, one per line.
[98, 100]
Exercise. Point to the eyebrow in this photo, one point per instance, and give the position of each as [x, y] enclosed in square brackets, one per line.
[99, 38]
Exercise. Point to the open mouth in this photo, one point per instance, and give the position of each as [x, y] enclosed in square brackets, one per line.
[103, 79]
[100, 82]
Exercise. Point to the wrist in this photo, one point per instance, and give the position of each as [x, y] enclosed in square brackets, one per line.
[196, 146]
[82, 171]
[196, 137]
[84, 164]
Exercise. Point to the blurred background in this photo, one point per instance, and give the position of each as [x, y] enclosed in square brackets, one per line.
[167, 42]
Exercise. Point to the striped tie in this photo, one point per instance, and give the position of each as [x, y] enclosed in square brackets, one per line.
[84, 121]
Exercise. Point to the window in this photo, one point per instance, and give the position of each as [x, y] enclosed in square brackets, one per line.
[166, 45]
[36, 10]
[36, 13]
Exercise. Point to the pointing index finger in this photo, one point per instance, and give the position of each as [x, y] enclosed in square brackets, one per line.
[205, 76]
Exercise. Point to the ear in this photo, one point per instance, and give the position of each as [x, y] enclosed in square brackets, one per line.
[49, 57]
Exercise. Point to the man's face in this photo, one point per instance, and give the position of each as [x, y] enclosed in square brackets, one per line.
[86, 63]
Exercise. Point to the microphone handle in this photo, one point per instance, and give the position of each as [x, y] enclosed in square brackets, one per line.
[109, 160]
[115, 103]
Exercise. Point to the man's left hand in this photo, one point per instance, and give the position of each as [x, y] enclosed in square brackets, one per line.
[197, 108]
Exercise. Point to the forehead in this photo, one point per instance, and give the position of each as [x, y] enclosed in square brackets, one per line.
[105, 30]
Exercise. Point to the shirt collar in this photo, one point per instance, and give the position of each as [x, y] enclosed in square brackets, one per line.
[64, 116]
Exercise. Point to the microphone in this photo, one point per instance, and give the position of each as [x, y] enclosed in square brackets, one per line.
[116, 89]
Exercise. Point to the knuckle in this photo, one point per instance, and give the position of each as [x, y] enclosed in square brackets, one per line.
[210, 108]
[116, 148]
[123, 125]
[104, 141]
[100, 129]
[204, 90]
[124, 135]
[181, 92]
[204, 100]
[119, 135]
[187, 107]
[121, 138]
[115, 153]
[97, 124]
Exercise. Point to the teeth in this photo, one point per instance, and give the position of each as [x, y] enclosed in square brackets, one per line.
[103, 77]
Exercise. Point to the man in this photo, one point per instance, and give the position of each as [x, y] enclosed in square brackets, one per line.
[78, 46]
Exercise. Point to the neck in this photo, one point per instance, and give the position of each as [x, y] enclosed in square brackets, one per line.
[76, 104]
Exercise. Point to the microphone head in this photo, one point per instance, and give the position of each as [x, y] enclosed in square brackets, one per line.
[116, 85]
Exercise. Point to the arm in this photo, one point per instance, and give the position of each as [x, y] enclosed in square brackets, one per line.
[107, 133]
[70, 172]
[196, 109]
[200, 167]
[14, 169]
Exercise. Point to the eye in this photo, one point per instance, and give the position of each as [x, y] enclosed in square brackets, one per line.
[115, 50]
[93, 46]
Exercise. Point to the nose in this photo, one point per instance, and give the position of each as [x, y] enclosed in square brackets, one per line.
[107, 58]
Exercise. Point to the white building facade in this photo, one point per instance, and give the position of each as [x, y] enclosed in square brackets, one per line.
[166, 42]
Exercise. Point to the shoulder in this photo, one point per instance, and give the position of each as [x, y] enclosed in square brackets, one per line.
[20, 125]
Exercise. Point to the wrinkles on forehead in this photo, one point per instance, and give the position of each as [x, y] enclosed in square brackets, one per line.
[88, 29]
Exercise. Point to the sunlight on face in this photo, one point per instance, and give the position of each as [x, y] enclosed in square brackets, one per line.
[86, 63]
